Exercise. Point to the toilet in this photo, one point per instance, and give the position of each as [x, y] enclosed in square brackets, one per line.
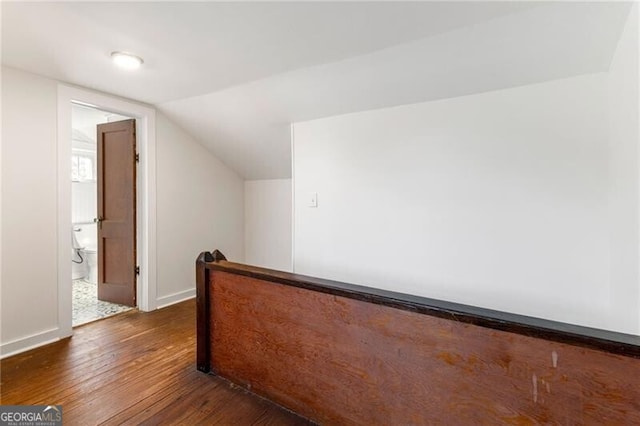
[91, 256]
[85, 253]
[78, 265]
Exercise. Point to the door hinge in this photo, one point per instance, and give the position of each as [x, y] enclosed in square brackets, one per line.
[137, 157]
[137, 270]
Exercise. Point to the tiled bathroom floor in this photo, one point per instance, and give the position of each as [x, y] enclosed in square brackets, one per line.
[87, 307]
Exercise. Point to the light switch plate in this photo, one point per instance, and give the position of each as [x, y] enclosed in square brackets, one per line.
[313, 199]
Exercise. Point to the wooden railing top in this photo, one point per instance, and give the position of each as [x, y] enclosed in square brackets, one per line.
[604, 340]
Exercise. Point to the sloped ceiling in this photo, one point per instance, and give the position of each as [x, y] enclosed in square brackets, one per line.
[235, 75]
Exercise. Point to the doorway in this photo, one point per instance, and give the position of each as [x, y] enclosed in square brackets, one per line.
[146, 197]
[98, 155]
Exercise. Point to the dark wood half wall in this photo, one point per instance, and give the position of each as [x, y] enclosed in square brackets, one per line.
[345, 354]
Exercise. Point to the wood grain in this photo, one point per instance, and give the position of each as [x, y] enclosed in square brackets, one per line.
[117, 212]
[339, 360]
[609, 341]
[135, 368]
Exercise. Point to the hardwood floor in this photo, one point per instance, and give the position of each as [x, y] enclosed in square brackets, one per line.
[135, 368]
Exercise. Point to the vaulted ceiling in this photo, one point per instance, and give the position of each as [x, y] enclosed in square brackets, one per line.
[235, 75]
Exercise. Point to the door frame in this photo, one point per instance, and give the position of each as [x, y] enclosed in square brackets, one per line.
[146, 195]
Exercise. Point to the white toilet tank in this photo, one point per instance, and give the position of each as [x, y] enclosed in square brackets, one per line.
[88, 235]
[78, 264]
[87, 238]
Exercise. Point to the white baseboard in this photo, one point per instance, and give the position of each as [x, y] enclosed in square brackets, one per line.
[24, 344]
[33, 341]
[172, 299]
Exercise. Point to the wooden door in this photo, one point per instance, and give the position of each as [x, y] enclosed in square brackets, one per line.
[117, 212]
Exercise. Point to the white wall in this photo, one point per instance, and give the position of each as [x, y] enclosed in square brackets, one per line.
[200, 207]
[84, 199]
[498, 200]
[267, 223]
[622, 90]
[29, 241]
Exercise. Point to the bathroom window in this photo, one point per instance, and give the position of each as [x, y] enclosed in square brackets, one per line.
[82, 168]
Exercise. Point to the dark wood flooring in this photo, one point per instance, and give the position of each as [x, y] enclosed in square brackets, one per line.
[134, 368]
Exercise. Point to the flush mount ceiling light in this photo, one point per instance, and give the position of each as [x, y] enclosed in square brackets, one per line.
[126, 60]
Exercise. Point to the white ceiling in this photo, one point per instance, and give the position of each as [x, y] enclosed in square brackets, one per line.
[192, 48]
[235, 75]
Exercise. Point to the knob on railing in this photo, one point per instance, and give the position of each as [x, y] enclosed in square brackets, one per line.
[214, 257]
